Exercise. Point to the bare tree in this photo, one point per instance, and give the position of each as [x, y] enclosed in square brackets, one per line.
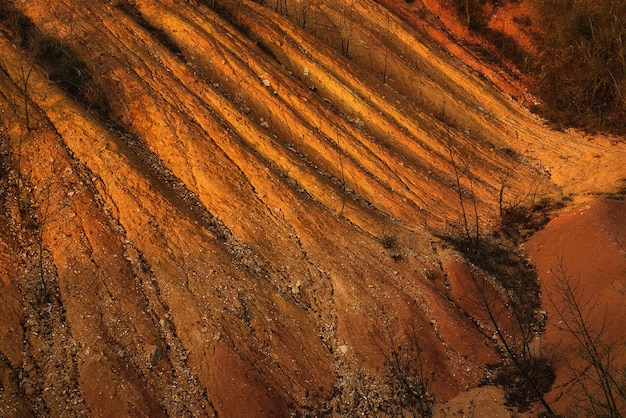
[406, 377]
[25, 72]
[343, 178]
[594, 369]
[303, 11]
[345, 30]
[281, 7]
[459, 173]
[527, 374]
[401, 388]
[504, 290]
[387, 33]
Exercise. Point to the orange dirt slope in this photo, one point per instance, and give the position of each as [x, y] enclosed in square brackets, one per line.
[237, 213]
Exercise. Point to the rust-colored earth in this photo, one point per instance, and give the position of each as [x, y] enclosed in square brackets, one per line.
[238, 210]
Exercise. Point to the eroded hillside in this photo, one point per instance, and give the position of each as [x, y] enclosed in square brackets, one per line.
[234, 210]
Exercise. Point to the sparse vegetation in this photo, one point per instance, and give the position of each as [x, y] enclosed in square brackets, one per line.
[516, 378]
[345, 30]
[57, 57]
[581, 70]
[620, 193]
[583, 63]
[404, 373]
[505, 286]
[402, 388]
[511, 301]
[177, 236]
[389, 241]
[471, 12]
[597, 370]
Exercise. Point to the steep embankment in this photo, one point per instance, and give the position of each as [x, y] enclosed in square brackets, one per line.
[232, 214]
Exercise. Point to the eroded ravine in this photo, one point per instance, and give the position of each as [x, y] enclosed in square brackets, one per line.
[243, 219]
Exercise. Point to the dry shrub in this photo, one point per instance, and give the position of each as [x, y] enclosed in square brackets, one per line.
[583, 64]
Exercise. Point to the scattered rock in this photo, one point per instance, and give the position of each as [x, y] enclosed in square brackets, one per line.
[155, 355]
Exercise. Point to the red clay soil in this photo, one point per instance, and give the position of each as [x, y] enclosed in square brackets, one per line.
[587, 245]
[252, 221]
